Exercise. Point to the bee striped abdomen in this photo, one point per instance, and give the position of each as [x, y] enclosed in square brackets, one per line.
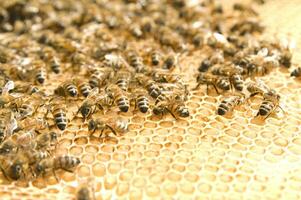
[265, 108]
[123, 103]
[60, 118]
[66, 162]
[143, 103]
[237, 82]
[71, 89]
[85, 89]
[153, 90]
[155, 57]
[123, 84]
[41, 76]
[182, 111]
[223, 108]
[223, 84]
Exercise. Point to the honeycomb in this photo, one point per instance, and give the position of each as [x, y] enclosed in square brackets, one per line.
[204, 157]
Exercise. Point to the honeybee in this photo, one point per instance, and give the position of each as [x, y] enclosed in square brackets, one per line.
[55, 64]
[169, 62]
[86, 191]
[67, 89]
[205, 65]
[84, 88]
[136, 61]
[257, 88]
[151, 86]
[34, 156]
[155, 57]
[223, 83]
[208, 79]
[26, 106]
[99, 76]
[114, 61]
[8, 146]
[59, 110]
[296, 72]
[120, 97]
[26, 88]
[141, 100]
[237, 82]
[64, 162]
[41, 75]
[8, 124]
[12, 167]
[270, 102]
[44, 140]
[136, 31]
[286, 57]
[234, 74]
[95, 99]
[115, 125]
[228, 104]
[123, 79]
[172, 106]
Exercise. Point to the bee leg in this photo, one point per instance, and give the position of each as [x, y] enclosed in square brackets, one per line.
[113, 131]
[197, 86]
[172, 114]
[214, 88]
[55, 176]
[4, 173]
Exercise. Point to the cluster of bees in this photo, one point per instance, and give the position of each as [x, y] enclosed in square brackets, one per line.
[115, 58]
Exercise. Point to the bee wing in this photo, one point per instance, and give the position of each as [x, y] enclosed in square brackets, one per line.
[11, 126]
[93, 93]
[10, 85]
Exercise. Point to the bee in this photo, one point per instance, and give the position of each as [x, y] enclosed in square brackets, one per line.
[223, 83]
[114, 61]
[55, 64]
[234, 74]
[64, 162]
[205, 65]
[84, 88]
[115, 125]
[94, 99]
[26, 106]
[8, 146]
[229, 104]
[59, 111]
[270, 103]
[86, 190]
[120, 97]
[44, 140]
[155, 57]
[26, 88]
[257, 88]
[8, 124]
[286, 58]
[151, 86]
[12, 167]
[99, 76]
[237, 82]
[123, 79]
[136, 31]
[141, 100]
[208, 79]
[136, 61]
[34, 156]
[41, 74]
[169, 62]
[7, 87]
[296, 72]
[67, 89]
[172, 106]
